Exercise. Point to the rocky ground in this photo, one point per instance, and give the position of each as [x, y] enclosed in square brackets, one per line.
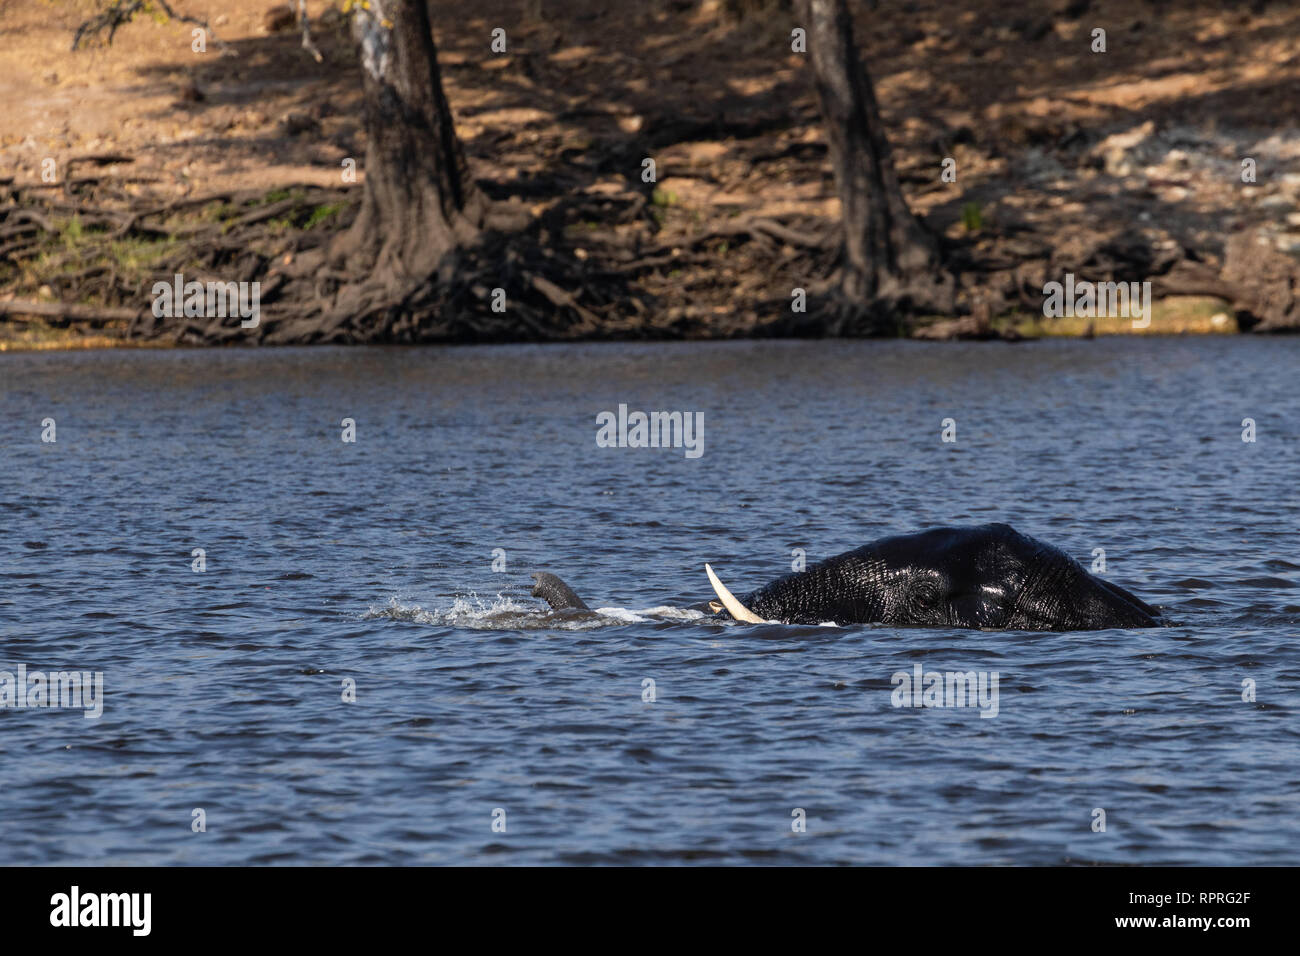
[1125, 164]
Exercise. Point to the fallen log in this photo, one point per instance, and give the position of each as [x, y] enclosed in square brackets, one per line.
[69, 310]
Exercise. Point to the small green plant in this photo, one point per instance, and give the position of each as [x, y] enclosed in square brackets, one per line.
[971, 217]
[322, 212]
[136, 256]
[276, 195]
[73, 232]
[216, 211]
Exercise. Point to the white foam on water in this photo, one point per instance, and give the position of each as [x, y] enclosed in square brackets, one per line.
[663, 612]
[505, 613]
[675, 613]
[469, 611]
[620, 614]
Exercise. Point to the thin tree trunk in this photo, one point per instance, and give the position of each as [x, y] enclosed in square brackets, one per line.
[420, 203]
[890, 264]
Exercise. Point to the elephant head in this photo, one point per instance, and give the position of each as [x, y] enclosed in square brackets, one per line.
[989, 576]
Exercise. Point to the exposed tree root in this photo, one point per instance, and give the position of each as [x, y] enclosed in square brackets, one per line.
[85, 253]
[508, 286]
[555, 288]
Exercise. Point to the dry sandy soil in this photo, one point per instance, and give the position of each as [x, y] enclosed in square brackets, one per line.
[1057, 147]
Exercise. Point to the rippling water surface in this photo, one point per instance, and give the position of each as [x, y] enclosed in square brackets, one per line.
[373, 562]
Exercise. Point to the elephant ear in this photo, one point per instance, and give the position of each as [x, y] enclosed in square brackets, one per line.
[734, 607]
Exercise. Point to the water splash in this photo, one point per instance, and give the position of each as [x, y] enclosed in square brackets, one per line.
[504, 613]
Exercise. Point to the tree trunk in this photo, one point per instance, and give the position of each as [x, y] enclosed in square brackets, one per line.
[419, 203]
[890, 264]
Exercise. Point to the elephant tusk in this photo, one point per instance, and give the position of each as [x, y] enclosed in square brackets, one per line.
[734, 607]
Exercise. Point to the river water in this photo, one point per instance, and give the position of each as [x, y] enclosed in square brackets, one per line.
[486, 729]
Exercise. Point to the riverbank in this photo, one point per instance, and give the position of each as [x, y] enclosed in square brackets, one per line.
[1121, 166]
[1183, 315]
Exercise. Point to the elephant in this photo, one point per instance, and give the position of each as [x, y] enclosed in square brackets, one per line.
[989, 577]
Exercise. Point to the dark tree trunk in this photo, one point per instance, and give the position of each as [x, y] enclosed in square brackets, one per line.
[428, 251]
[890, 264]
[419, 203]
